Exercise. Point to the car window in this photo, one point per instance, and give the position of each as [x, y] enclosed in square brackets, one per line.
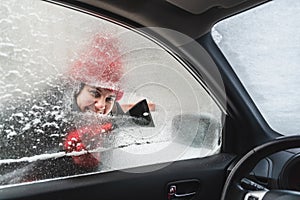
[82, 94]
[262, 45]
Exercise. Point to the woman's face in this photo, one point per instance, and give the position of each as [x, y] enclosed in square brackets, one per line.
[95, 99]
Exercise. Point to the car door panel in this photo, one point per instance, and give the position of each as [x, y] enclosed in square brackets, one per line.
[210, 172]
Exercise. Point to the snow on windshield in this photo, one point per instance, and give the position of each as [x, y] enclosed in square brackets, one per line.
[263, 47]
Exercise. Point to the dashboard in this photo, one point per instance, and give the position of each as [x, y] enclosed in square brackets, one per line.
[290, 174]
[277, 171]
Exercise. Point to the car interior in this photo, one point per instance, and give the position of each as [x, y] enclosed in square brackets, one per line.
[241, 156]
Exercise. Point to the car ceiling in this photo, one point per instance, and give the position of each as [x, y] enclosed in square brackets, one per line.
[191, 17]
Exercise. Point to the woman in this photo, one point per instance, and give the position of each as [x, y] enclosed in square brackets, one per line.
[68, 116]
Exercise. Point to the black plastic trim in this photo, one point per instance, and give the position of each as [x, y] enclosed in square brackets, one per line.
[242, 112]
[147, 186]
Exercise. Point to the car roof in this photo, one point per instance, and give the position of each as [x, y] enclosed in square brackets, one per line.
[190, 17]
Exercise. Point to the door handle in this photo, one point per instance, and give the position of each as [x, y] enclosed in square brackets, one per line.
[184, 195]
[172, 193]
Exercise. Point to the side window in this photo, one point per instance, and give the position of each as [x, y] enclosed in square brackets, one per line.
[81, 94]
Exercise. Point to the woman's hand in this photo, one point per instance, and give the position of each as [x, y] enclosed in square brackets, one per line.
[85, 139]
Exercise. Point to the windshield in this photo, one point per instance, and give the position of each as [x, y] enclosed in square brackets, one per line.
[263, 47]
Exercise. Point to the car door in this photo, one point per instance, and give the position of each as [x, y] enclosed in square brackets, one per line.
[170, 120]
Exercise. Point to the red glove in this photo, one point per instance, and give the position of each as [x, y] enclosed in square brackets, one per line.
[86, 138]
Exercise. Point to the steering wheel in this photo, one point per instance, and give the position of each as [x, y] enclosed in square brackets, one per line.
[233, 190]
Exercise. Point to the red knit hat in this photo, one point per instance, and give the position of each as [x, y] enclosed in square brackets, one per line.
[100, 65]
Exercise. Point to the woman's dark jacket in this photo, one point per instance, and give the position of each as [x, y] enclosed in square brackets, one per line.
[32, 128]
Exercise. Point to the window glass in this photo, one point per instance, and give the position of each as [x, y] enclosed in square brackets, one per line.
[262, 45]
[80, 94]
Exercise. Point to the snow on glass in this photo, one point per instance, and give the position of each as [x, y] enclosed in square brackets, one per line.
[36, 100]
[37, 94]
[36, 97]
